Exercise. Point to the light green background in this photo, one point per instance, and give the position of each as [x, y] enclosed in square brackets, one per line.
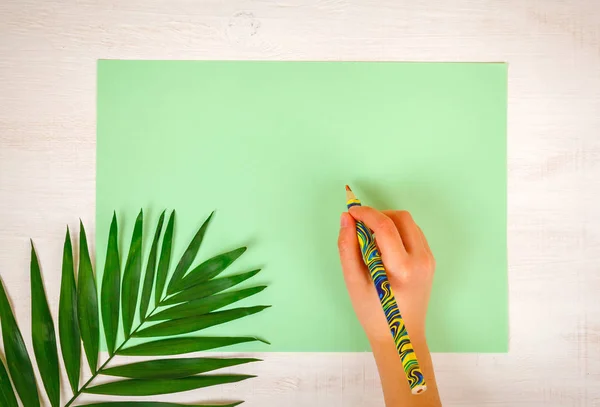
[270, 146]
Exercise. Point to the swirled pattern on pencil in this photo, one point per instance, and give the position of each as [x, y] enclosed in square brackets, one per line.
[374, 263]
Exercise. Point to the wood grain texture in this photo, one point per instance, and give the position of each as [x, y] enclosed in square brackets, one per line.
[48, 53]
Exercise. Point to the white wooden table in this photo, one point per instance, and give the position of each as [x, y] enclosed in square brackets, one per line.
[48, 53]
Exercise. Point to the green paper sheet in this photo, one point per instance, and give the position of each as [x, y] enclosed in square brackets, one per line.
[270, 146]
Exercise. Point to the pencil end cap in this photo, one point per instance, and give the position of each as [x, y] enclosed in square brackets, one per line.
[419, 389]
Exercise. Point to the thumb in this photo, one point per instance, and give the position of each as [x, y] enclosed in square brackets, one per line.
[350, 255]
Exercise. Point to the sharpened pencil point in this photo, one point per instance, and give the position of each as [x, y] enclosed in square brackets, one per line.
[350, 195]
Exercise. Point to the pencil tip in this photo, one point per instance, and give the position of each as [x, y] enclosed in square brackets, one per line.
[348, 188]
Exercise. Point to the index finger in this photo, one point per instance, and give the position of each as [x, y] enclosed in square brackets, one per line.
[386, 234]
[408, 229]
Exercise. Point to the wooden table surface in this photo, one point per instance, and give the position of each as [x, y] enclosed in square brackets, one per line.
[48, 53]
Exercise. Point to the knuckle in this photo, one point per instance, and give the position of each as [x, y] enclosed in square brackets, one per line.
[427, 263]
[422, 261]
[401, 266]
[432, 264]
[342, 243]
[405, 216]
[386, 225]
[404, 263]
[403, 275]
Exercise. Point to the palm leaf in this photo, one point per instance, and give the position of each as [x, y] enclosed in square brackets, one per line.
[132, 275]
[17, 359]
[209, 288]
[155, 404]
[163, 262]
[206, 304]
[150, 270]
[111, 287]
[178, 346]
[68, 323]
[188, 256]
[7, 394]
[87, 303]
[43, 335]
[197, 297]
[173, 368]
[137, 387]
[197, 323]
[209, 269]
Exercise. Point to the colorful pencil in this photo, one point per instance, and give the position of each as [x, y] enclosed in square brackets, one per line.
[372, 259]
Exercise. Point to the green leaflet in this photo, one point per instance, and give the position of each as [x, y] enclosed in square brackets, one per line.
[155, 404]
[177, 346]
[43, 335]
[205, 305]
[7, 395]
[209, 288]
[111, 288]
[87, 303]
[136, 387]
[209, 269]
[163, 262]
[68, 323]
[150, 270]
[192, 324]
[131, 276]
[188, 256]
[173, 368]
[17, 359]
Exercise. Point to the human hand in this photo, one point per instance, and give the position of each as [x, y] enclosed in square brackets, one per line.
[409, 264]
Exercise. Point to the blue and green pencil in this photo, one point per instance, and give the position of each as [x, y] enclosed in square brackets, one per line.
[372, 259]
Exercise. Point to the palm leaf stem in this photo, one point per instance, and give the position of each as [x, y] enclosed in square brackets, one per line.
[99, 371]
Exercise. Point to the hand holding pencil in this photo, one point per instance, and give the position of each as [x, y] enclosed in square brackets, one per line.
[409, 267]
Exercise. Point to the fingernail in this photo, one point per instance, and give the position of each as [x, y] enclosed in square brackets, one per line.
[344, 221]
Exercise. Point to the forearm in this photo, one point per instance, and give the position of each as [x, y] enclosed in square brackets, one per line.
[393, 380]
[409, 266]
